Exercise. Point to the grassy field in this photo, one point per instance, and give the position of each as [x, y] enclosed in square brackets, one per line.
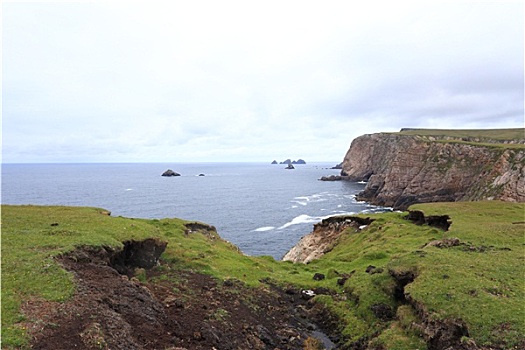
[492, 134]
[480, 281]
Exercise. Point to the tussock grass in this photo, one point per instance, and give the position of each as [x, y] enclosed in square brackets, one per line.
[480, 281]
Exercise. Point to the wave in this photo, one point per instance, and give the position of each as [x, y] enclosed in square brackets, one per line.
[307, 219]
[340, 212]
[265, 228]
[304, 200]
[301, 219]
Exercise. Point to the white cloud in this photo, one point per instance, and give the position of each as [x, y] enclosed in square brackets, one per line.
[237, 80]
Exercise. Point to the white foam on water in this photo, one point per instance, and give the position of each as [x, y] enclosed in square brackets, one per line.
[301, 219]
[318, 197]
[129, 189]
[265, 228]
[340, 212]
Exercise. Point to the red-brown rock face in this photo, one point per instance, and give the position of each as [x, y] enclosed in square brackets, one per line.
[404, 169]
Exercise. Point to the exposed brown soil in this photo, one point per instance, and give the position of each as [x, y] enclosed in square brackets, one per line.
[168, 308]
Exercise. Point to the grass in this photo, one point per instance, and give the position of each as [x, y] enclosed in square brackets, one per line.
[491, 134]
[492, 138]
[484, 283]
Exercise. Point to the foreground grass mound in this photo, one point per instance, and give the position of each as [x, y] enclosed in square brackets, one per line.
[391, 285]
[467, 280]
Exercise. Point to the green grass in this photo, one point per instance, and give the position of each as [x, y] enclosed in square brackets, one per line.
[491, 134]
[484, 287]
[492, 138]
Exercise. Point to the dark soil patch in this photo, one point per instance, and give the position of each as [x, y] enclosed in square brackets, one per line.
[440, 221]
[167, 309]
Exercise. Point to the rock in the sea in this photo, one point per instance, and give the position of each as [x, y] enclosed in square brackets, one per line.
[288, 161]
[202, 175]
[299, 161]
[333, 178]
[274, 162]
[290, 166]
[170, 172]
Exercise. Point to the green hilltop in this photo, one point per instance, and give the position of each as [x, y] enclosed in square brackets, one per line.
[475, 282]
[502, 138]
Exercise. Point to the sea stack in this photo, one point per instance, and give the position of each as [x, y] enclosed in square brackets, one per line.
[170, 173]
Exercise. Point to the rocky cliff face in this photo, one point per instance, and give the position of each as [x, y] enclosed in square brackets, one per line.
[324, 237]
[405, 169]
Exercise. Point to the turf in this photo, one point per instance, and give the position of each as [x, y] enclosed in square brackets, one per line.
[479, 281]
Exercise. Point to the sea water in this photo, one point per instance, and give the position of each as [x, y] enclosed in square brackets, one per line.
[264, 209]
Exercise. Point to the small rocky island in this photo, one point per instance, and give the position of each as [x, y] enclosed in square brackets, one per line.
[169, 173]
[289, 161]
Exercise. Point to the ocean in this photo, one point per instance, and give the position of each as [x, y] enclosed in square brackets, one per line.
[264, 209]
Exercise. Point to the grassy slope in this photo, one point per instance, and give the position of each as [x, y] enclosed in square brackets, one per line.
[485, 289]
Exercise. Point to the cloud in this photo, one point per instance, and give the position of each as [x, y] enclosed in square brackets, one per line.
[235, 80]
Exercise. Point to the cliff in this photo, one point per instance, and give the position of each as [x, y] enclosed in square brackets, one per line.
[419, 166]
[324, 237]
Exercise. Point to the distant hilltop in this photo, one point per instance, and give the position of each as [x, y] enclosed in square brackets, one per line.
[422, 165]
[289, 161]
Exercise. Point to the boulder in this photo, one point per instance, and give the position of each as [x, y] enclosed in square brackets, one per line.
[170, 172]
[274, 162]
[333, 178]
[290, 166]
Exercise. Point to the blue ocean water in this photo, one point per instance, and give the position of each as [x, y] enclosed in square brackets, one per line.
[264, 209]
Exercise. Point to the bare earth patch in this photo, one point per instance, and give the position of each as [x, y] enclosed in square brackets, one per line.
[167, 309]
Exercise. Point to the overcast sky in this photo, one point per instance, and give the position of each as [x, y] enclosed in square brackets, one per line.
[179, 81]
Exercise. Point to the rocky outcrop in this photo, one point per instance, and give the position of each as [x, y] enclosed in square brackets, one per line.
[333, 178]
[324, 237]
[169, 173]
[405, 169]
[289, 161]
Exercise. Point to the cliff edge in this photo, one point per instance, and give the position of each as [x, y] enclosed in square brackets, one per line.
[420, 166]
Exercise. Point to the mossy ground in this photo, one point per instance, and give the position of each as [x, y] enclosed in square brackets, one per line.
[480, 281]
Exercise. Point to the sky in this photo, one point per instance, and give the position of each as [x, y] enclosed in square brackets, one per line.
[243, 81]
